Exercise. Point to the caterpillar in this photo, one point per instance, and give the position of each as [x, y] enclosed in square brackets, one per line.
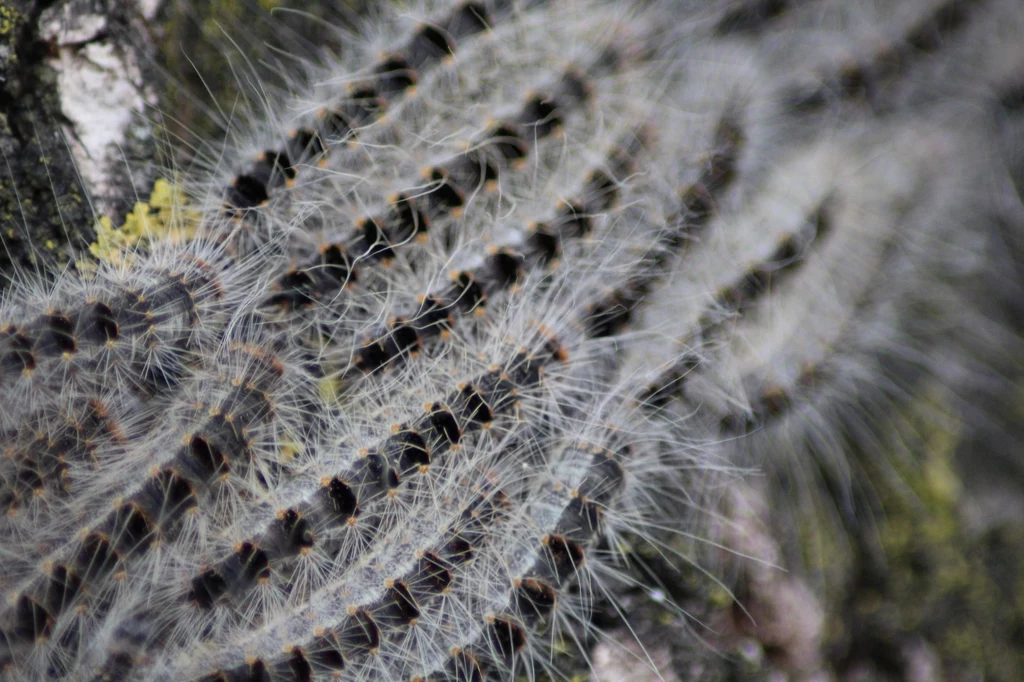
[476, 324]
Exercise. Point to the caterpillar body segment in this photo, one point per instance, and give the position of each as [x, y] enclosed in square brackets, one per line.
[227, 437]
[871, 55]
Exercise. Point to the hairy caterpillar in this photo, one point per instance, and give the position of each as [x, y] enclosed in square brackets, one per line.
[471, 310]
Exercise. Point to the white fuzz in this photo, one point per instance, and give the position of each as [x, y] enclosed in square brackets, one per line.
[469, 314]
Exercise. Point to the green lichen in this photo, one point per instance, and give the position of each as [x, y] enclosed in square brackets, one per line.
[919, 576]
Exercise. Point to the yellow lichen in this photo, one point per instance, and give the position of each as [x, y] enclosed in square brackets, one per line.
[165, 217]
[330, 389]
[289, 449]
[8, 19]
